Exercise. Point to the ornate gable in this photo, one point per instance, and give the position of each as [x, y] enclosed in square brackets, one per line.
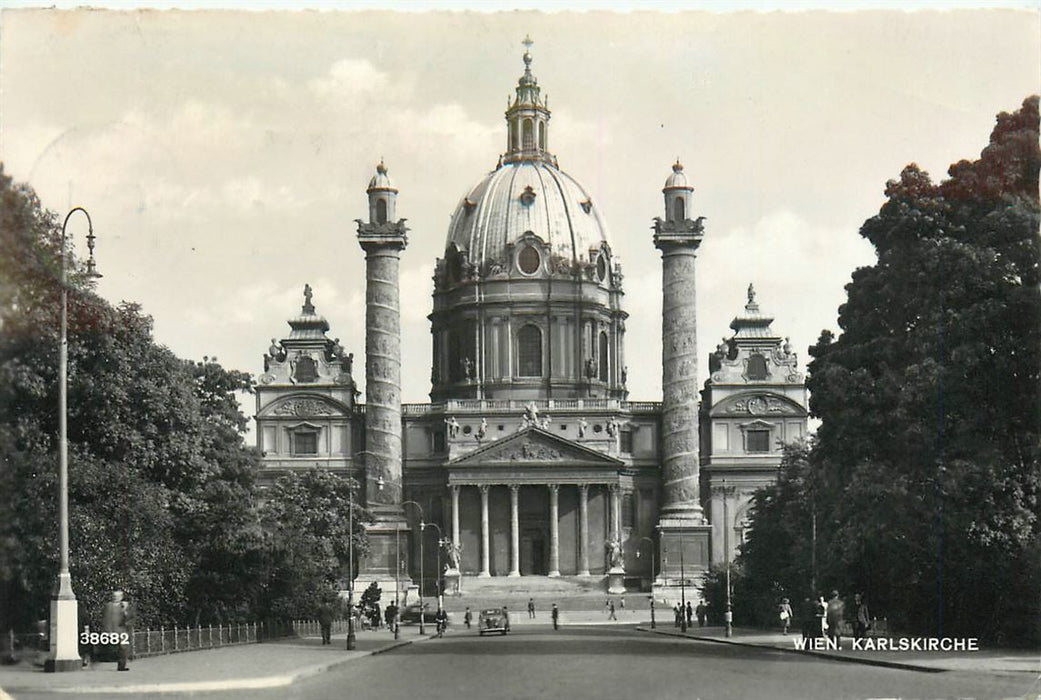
[758, 403]
[533, 447]
[302, 405]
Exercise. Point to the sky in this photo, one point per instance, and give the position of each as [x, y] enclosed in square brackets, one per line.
[223, 156]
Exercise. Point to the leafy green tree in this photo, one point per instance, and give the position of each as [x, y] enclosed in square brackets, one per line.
[160, 482]
[929, 399]
[307, 526]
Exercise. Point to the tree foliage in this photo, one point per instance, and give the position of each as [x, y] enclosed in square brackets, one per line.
[925, 475]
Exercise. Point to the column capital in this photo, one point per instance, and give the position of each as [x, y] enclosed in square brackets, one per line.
[553, 488]
[388, 236]
[513, 489]
[484, 489]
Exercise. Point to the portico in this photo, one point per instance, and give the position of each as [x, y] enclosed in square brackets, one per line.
[544, 505]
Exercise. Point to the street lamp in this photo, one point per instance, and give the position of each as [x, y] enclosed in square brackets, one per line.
[351, 640]
[422, 630]
[728, 614]
[397, 578]
[64, 652]
[441, 542]
[653, 624]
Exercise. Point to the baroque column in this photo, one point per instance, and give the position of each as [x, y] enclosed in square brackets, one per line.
[455, 515]
[485, 572]
[583, 529]
[382, 239]
[514, 531]
[554, 530]
[678, 236]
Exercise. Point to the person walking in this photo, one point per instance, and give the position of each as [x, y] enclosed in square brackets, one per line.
[835, 615]
[610, 611]
[702, 612]
[531, 608]
[555, 614]
[325, 621]
[467, 618]
[861, 618]
[785, 614]
[116, 619]
[506, 618]
[690, 614]
[678, 612]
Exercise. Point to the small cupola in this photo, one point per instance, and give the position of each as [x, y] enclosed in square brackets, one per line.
[678, 195]
[382, 196]
[527, 118]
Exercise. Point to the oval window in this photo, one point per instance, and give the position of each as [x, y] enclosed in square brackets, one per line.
[601, 268]
[529, 260]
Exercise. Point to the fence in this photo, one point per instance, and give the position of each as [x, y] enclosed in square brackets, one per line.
[172, 640]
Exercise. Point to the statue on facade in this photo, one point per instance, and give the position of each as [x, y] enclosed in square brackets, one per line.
[531, 414]
[590, 368]
[336, 351]
[453, 551]
[349, 362]
[613, 426]
[468, 368]
[614, 551]
[482, 430]
[582, 425]
[453, 426]
[625, 373]
[546, 422]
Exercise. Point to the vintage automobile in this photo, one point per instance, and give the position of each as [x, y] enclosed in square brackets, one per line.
[493, 620]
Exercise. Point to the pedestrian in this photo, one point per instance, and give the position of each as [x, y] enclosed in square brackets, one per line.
[506, 618]
[785, 614]
[621, 603]
[116, 619]
[820, 612]
[467, 618]
[325, 621]
[861, 618]
[555, 614]
[702, 612]
[610, 612]
[678, 612]
[690, 614]
[531, 608]
[836, 612]
[607, 605]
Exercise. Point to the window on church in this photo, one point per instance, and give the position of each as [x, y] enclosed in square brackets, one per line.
[679, 213]
[529, 351]
[542, 135]
[305, 442]
[603, 357]
[381, 211]
[306, 370]
[626, 442]
[756, 367]
[529, 260]
[757, 440]
[528, 134]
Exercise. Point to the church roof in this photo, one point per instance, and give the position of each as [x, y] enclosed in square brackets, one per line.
[752, 324]
[308, 325]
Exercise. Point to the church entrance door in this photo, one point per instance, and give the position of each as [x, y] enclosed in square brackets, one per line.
[533, 553]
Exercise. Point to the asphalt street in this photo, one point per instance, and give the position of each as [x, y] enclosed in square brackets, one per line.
[603, 663]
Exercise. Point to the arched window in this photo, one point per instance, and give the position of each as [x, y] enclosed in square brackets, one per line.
[527, 135]
[381, 211]
[542, 135]
[756, 368]
[529, 352]
[678, 210]
[603, 356]
[512, 137]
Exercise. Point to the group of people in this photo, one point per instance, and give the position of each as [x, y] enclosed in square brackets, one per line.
[610, 609]
[687, 613]
[824, 618]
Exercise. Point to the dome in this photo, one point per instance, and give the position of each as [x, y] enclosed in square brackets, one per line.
[381, 180]
[677, 180]
[521, 197]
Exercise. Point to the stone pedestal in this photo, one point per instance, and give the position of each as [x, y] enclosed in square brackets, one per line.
[64, 633]
[453, 582]
[616, 581]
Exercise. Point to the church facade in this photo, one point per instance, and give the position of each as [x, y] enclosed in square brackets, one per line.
[531, 458]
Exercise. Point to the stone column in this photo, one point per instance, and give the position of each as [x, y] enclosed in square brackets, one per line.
[382, 243]
[583, 529]
[485, 573]
[455, 515]
[514, 531]
[678, 242]
[554, 530]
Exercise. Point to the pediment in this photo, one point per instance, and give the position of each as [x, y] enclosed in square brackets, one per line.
[533, 446]
[758, 403]
[304, 406]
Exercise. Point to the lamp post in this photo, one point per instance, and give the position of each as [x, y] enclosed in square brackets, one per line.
[397, 577]
[442, 541]
[683, 593]
[351, 640]
[653, 624]
[728, 614]
[422, 629]
[64, 651]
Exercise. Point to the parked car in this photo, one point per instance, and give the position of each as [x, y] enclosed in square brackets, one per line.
[493, 620]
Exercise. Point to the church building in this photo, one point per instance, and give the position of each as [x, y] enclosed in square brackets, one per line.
[531, 459]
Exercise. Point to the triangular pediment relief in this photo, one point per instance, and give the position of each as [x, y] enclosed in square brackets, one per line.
[304, 406]
[533, 446]
[758, 403]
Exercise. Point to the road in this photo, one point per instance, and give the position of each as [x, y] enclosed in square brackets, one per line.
[604, 663]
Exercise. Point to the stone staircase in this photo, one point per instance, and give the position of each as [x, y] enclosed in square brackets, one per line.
[588, 593]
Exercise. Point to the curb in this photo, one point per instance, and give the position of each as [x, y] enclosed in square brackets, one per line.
[210, 686]
[900, 665]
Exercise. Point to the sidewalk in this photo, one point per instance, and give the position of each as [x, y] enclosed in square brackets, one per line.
[983, 661]
[266, 665]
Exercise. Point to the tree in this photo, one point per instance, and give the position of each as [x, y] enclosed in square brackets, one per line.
[929, 399]
[307, 528]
